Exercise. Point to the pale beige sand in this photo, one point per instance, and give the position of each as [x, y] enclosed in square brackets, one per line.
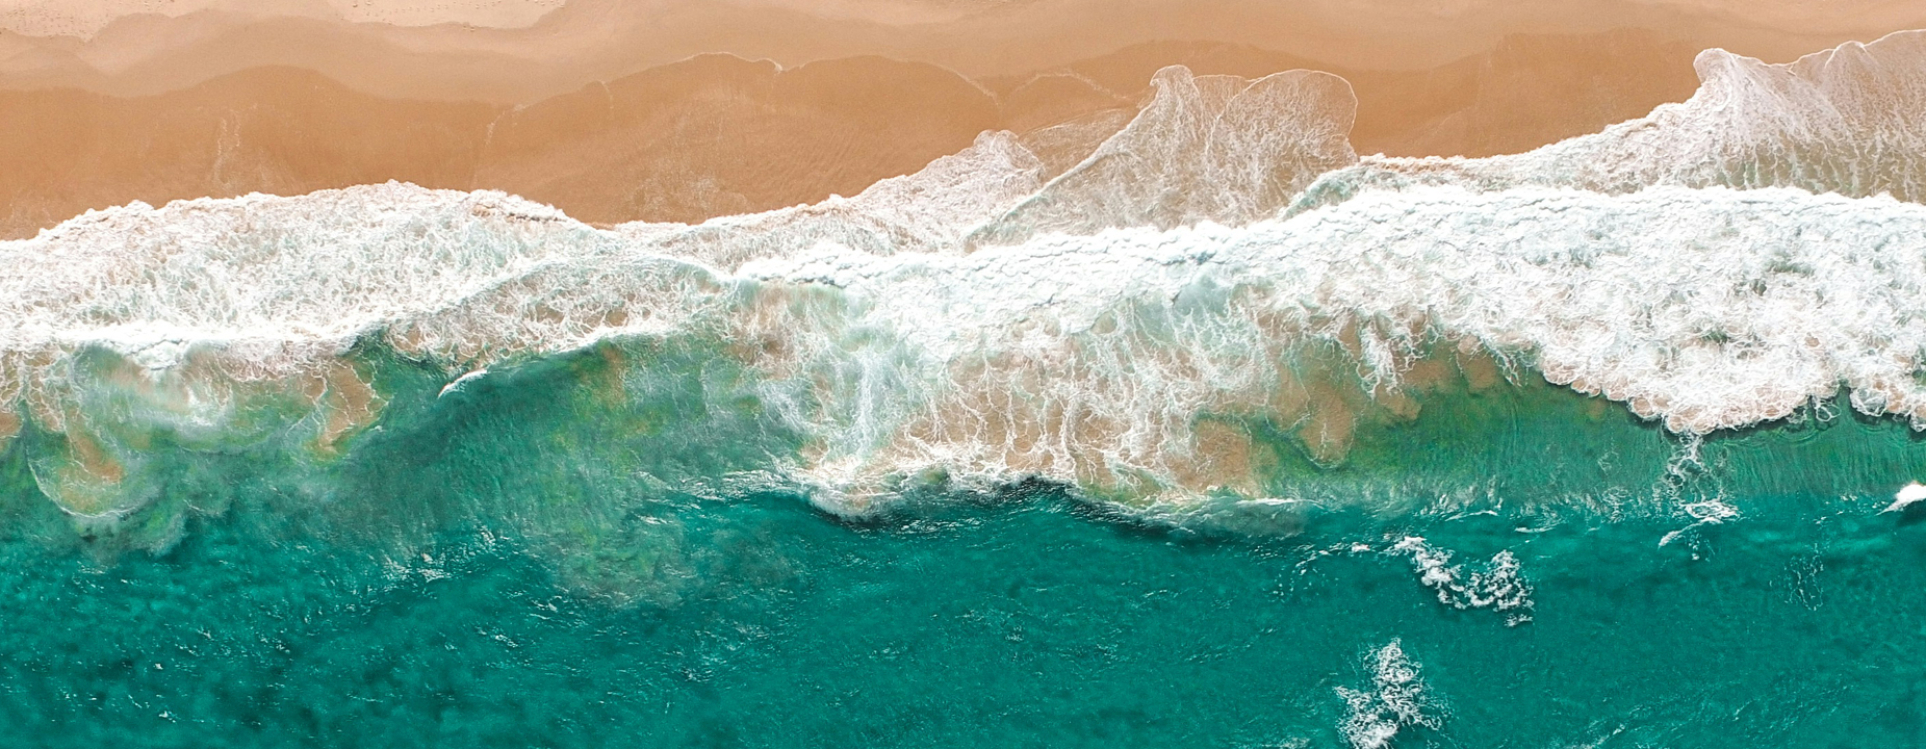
[718, 135]
[589, 40]
[274, 130]
[684, 142]
[84, 18]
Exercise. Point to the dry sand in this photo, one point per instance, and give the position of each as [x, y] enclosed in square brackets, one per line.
[85, 18]
[594, 40]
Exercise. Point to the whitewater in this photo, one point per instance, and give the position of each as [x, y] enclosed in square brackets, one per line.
[1106, 324]
[1190, 425]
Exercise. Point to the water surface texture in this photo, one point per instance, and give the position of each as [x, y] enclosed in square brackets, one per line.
[1177, 425]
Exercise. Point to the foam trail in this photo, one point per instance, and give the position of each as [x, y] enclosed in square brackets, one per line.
[1204, 148]
[1212, 147]
[1907, 496]
[928, 212]
[1850, 120]
[1499, 586]
[1230, 151]
[1397, 699]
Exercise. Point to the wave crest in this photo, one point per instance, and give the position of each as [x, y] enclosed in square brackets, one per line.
[1851, 120]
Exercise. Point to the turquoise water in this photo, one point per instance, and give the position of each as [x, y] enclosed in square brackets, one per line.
[530, 563]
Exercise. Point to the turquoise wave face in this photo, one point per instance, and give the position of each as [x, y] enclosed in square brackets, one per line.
[606, 547]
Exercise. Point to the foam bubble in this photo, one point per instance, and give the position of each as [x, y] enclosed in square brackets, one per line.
[1396, 700]
[1704, 512]
[1126, 359]
[930, 211]
[1205, 148]
[1499, 586]
[1908, 495]
[1850, 120]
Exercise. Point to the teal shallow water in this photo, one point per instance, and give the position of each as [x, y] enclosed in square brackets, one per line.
[530, 564]
[1020, 623]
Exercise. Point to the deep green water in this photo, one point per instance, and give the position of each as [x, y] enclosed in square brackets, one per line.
[524, 565]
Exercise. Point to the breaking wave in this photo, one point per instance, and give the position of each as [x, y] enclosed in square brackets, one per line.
[1218, 299]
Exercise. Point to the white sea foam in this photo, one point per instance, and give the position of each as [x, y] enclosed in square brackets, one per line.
[1205, 148]
[286, 280]
[1907, 496]
[1079, 358]
[458, 383]
[1114, 320]
[1850, 120]
[930, 211]
[1397, 699]
[1707, 309]
[1499, 586]
[1703, 513]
